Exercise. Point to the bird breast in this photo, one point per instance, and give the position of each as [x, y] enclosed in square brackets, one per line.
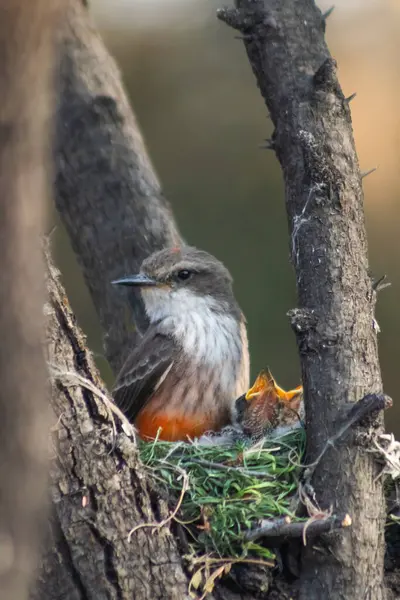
[212, 369]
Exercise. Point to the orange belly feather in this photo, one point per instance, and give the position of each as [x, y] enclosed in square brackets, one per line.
[171, 427]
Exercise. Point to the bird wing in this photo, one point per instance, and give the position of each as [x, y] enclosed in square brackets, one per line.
[144, 371]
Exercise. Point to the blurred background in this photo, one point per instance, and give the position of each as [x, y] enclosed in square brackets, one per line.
[203, 118]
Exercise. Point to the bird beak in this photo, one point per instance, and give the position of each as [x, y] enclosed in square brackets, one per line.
[139, 280]
[266, 383]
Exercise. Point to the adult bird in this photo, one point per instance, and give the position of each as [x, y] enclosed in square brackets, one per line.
[193, 362]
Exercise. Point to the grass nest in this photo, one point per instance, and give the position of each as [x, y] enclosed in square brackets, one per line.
[220, 492]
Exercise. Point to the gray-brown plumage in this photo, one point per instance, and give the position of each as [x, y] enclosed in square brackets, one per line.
[192, 362]
[143, 370]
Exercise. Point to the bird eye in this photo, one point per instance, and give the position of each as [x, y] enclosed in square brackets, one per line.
[184, 274]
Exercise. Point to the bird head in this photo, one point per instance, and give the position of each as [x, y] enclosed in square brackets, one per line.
[183, 279]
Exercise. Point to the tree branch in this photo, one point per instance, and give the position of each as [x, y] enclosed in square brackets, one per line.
[276, 533]
[98, 488]
[334, 324]
[114, 211]
[107, 193]
[110, 201]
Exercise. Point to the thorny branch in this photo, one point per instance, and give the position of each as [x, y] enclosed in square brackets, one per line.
[334, 323]
[275, 533]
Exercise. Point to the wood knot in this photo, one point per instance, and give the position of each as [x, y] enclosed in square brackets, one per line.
[249, 19]
[302, 319]
[325, 76]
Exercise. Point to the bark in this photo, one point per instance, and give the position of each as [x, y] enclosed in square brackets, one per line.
[110, 201]
[107, 193]
[334, 323]
[25, 79]
[99, 490]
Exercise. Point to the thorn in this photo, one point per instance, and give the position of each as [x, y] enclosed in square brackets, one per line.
[232, 17]
[270, 21]
[380, 284]
[49, 234]
[375, 326]
[366, 173]
[246, 20]
[328, 13]
[350, 98]
[268, 144]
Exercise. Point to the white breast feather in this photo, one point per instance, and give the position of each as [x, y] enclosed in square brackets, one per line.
[211, 338]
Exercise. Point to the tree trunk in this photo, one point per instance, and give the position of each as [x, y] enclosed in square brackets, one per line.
[110, 201]
[26, 52]
[107, 193]
[334, 324]
[98, 488]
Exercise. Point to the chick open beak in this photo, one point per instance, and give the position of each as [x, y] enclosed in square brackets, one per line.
[266, 383]
[263, 383]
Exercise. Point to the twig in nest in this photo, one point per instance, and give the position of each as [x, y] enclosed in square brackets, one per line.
[72, 378]
[275, 533]
[387, 450]
[309, 501]
[160, 524]
[221, 467]
[314, 511]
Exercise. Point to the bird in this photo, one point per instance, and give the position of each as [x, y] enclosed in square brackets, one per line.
[192, 363]
[266, 408]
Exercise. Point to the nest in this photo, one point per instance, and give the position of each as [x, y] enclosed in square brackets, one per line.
[222, 491]
[229, 498]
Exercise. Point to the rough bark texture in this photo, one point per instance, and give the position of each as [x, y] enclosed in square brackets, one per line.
[99, 491]
[115, 214]
[110, 201]
[334, 323]
[25, 80]
[107, 192]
